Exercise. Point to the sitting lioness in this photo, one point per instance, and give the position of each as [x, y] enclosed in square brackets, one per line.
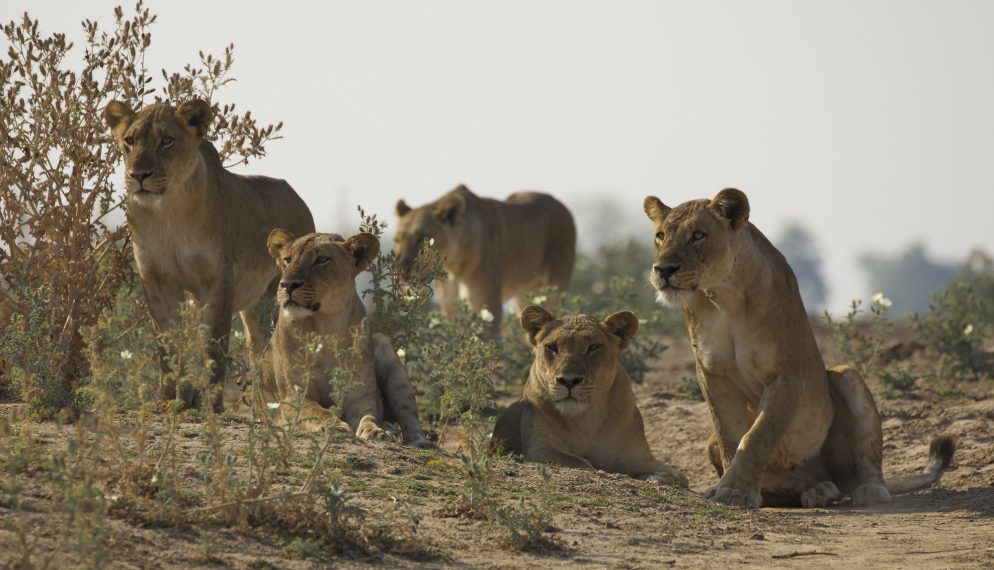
[317, 294]
[196, 228]
[493, 250]
[787, 432]
[578, 408]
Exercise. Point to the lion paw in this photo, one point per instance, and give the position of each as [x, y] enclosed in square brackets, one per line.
[819, 495]
[870, 494]
[733, 497]
[669, 476]
[422, 443]
[370, 431]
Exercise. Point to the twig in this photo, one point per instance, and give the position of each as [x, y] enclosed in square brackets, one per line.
[795, 554]
[940, 551]
[244, 502]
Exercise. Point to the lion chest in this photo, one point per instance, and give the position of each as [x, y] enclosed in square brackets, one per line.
[731, 360]
[174, 258]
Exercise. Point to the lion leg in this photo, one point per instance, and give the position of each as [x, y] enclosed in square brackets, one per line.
[217, 317]
[809, 486]
[448, 294]
[398, 393]
[487, 295]
[163, 304]
[310, 417]
[363, 408]
[254, 339]
[713, 450]
[853, 450]
[545, 454]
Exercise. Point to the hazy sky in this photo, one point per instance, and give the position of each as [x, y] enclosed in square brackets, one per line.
[871, 123]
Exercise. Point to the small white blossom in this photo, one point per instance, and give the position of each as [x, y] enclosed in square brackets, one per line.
[237, 335]
[486, 316]
[191, 302]
[643, 322]
[434, 322]
[155, 478]
[968, 330]
[126, 354]
[540, 299]
[401, 353]
[431, 241]
[273, 405]
[882, 301]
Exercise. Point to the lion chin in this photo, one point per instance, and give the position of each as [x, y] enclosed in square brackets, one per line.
[293, 311]
[673, 297]
[570, 406]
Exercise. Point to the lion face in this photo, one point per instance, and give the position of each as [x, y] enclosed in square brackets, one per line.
[159, 144]
[436, 223]
[694, 243]
[576, 356]
[318, 271]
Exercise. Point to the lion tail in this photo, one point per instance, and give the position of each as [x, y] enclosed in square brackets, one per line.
[940, 457]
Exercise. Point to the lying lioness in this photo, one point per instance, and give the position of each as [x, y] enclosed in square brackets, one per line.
[578, 408]
[787, 432]
[494, 250]
[317, 294]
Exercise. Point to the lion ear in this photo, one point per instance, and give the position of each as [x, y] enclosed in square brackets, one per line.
[402, 208]
[450, 208]
[655, 209]
[533, 318]
[117, 114]
[196, 114]
[731, 205]
[624, 325]
[363, 248]
[279, 239]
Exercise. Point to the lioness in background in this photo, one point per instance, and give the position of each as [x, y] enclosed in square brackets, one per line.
[317, 294]
[787, 432]
[196, 228]
[578, 408]
[493, 250]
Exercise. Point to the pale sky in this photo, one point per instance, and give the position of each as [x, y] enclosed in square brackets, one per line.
[869, 122]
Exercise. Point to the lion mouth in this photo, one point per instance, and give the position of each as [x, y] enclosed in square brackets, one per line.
[312, 307]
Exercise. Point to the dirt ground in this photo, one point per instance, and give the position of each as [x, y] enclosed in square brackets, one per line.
[600, 520]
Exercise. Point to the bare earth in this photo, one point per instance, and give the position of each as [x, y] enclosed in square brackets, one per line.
[600, 521]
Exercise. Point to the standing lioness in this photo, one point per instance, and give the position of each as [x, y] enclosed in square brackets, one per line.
[196, 228]
[786, 432]
[494, 250]
[578, 408]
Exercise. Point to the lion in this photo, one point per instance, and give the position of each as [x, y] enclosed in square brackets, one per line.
[578, 408]
[493, 250]
[317, 294]
[787, 432]
[196, 228]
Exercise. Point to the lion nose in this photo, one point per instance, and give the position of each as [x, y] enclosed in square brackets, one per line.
[666, 271]
[570, 382]
[140, 175]
[290, 285]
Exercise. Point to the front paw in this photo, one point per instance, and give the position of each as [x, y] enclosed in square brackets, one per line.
[870, 494]
[735, 497]
[369, 430]
[422, 443]
[669, 476]
[819, 495]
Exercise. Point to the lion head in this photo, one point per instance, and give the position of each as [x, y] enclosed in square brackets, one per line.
[695, 243]
[576, 356]
[318, 270]
[438, 223]
[159, 143]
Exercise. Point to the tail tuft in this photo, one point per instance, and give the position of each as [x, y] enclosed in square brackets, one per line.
[940, 453]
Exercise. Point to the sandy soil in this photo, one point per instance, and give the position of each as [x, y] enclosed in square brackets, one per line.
[600, 520]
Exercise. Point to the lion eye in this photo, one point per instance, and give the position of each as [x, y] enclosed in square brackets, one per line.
[698, 236]
[593, 348]
[660, 236]
[129, 140]
[553, 349]
[321, 260]
[167, 141]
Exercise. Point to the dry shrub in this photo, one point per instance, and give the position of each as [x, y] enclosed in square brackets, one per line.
[63, 250]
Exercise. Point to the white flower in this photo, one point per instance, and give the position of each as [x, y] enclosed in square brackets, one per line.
[540, 299]
[486, 316]
[126, 354]
[155, 478]
[431, 241]
[434, 322]
[968, 330]
[882, 301]
[401, 353]
[237, 335]
[191, 302]
[273, 405]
